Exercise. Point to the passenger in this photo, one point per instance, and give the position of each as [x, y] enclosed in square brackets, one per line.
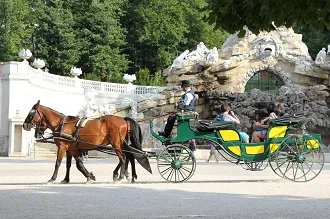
[229, 115]
[261, 127]
[280, 111]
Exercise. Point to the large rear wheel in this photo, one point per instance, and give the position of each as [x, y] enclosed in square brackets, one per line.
[300, 158]
[176, 163]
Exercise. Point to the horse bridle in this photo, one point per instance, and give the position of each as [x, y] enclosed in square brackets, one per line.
[39, 125]
[31, 116]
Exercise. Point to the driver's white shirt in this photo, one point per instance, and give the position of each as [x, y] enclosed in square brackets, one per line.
[188, 97]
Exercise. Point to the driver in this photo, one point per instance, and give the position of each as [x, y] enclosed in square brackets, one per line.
[188, 100]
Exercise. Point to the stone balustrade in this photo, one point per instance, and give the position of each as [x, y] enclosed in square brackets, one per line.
[48, 80]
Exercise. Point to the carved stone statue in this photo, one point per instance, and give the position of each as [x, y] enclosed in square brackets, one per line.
[320, 58]
[202, 56]
[328, 50]
[212, 57]
[180, 61]
[198, 54]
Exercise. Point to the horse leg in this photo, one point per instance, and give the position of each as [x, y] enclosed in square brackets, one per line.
[115, 172]
[83, 170]
[68, 166]
[122, 162]
[134, 176]
[126, 168]
[60, 153]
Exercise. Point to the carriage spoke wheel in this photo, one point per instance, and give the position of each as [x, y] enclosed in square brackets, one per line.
[254, 165]
[176, 163]
[300, 158]
[273, 166]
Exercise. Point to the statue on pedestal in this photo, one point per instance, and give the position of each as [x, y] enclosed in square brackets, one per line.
[320, 58]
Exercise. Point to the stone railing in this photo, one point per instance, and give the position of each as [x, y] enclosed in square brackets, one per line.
[44, 79]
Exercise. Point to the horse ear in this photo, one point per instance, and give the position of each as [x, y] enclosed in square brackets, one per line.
[37, 104]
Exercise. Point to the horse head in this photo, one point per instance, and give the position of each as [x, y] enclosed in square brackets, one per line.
[42, 118]
[33, 118]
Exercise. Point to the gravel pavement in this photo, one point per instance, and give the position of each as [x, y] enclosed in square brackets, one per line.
[216, 190]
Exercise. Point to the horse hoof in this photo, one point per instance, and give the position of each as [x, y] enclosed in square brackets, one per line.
[50, 182]
[133, 181]
[92, 177]
[89, 181]
[129, 179]
[65, 181]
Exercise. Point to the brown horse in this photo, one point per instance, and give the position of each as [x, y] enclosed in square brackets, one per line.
[70, 136]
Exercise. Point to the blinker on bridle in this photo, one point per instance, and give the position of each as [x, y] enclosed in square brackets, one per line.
[32, 115]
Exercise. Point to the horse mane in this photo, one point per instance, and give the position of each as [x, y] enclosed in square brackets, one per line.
[53, 110]
[73, 117]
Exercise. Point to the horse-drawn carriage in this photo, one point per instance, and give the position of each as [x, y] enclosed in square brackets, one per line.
[298, 157]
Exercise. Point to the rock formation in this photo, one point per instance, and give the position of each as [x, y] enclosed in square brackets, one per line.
[280, 52]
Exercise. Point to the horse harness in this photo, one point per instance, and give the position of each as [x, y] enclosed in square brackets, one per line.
[75, 137]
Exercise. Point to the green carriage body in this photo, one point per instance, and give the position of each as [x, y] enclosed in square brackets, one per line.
[292, 153]
[225, 135]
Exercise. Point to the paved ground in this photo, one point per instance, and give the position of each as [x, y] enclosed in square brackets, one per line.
[217, 190]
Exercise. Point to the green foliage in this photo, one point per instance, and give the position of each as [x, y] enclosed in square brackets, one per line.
[314, 40]
[232, 15]
[15, 28]
[97, 24]
[106, 38]
[145, 78]
[155, 29]
[198, 29]
[159, 31]
[158, 80]
[116, 77]
[54, 36]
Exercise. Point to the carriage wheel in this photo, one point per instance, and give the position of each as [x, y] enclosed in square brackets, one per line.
[254, 165]
[176, 163]
[300, 158]
[273, 166]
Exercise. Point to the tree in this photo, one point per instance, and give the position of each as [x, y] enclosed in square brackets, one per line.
[198, 29]
[15, 28]
[232, 15]
[55, 39]
[97, 23]
[158, 31]
[314, 40]
[155, 29]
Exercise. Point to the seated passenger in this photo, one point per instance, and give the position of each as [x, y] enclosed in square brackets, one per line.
[261, 127]
[280, 111]
[229, 116]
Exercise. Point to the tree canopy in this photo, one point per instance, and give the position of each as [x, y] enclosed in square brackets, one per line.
[15, 29]
[232, 15]
[108, 38]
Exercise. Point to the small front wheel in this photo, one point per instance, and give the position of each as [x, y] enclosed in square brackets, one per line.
[176, 163]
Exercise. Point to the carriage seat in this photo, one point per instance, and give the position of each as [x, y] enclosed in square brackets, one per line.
[211, 125]
[187, 114]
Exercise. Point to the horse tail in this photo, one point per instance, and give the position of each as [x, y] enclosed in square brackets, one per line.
[136, 139]
[136, 133]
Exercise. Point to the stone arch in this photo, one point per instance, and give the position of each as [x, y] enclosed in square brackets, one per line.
[277, 71]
